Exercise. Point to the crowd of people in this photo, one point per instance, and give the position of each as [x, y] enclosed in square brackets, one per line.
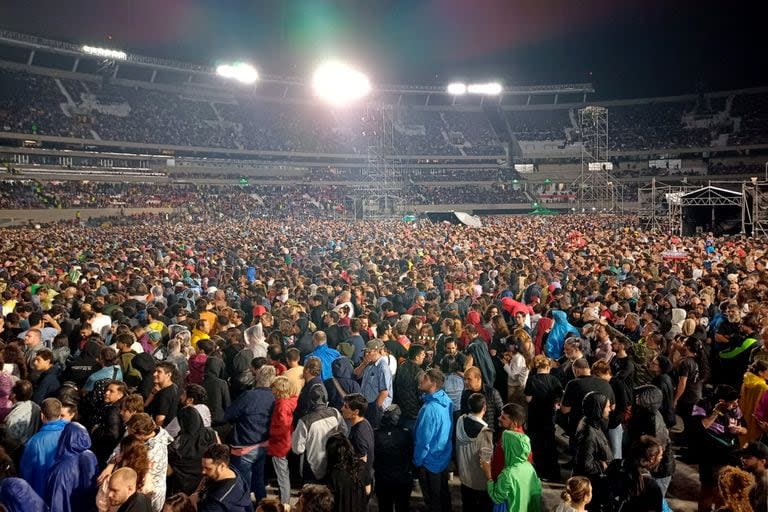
[166, 366]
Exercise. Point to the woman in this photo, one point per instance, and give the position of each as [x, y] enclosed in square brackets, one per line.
[632, 487]
[393, 446]
[518, 485]
[576, 495]
[186, 451]
[593, 452]
[516, 370]
[752, 390]
[72, 481]
[280, 431]
[133, 454]
[691, 373]
[500, 331]
[542, 392]
[6, 384]
[454, 380]
[342, 383]
[660, 367]
[347, 477]
[734, 486]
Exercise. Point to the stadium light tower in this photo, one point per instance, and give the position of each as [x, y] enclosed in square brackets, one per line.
[339, 84]
[240, 71]
[104, 53]
[480, 89]
[457, 88]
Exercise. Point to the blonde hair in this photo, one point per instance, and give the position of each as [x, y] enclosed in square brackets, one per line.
[577, 488]
[541, 362]
[281, 387]
[734, 485]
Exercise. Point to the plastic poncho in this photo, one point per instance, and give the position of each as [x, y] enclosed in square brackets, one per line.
[553, 347]
[72, 481]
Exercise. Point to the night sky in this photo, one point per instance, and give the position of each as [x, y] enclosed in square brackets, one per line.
[625, 47]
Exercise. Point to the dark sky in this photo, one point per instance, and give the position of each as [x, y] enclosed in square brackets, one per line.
[625, 47]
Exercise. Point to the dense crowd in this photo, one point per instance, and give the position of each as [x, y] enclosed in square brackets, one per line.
[163, 366]
[37, 104]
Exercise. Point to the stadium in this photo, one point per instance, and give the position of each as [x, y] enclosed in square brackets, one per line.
[225, 289]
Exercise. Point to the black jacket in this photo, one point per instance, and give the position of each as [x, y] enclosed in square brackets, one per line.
[592, 447]
[225, 496]
[406, 389]
[217, 390]
[47, 385]
[493, 405]
[108, 432]
[394, 451]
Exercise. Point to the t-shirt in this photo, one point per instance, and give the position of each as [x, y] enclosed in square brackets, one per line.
[689, 368]
[362, 440]
[545, 390]
[165, 403]
[575, 392]
[295, 376]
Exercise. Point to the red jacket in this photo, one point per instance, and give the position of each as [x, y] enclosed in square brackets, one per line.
[196, 369]
[280, 426]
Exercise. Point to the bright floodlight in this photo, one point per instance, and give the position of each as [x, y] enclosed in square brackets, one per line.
[239, 71]
[104, 52]
[489, 89]
[457, 88]
[339, 84]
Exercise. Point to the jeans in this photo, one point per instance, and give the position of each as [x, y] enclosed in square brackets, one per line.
[251, 468]
[616, 438]
[393, 495]
[434, 487]
[283, 478]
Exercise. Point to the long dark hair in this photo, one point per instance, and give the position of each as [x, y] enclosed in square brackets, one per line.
[694, 345]
[643, 451]
[342, 456]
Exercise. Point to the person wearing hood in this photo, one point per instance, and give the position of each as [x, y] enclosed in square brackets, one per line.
[17, 495]
[479, 356]
[304, 337]
[6, 387]
[474, 440]
[432, 442]
[145, 365]
[85, 364]
[678, 318]
[185, 452]
[660, 367]
[518, 485]
[40, 451]
[72, 481]
[313, 430]
[561, 328]
[255, 340]
[48, 383]
[223, 490]
[753, 400]
[593, 451]
[197, 361]
[342, 383]
[393, 445]
[217, 390]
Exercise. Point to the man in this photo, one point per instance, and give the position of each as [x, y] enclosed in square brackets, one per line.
[315, 498]
[432, 442]
[223, 489]
[163, 401]
[37, 322]
[473, 383]
[479, 356]
[407, 385]
[324, 353]
[335, 332]
[376, 380]
[623, 394]
[40, 451]
[311, 377]
[122, 492]
[577, 389]
[474, 441]
[33, 343]
[48, 381]
[125, 354]
[356, 340]
[110, 369]
[360, 430]
[754, 459]
[24, 418]
[294, 372]
[452, 349]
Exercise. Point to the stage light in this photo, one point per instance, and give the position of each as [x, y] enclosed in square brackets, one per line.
[457, 88]
[240, 71]
[104, 52]
[489, 89]
[339, 84]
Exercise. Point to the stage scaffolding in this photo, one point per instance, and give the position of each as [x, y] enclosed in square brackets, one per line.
[598, 189]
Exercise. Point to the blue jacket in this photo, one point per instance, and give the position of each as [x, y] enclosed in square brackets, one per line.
[250, 414]
[432, 434]
[326, 355]
[72, 481]
[17, 496]
[40, 455]
[553, 347]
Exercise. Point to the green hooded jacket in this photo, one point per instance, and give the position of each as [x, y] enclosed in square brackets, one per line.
[517, 485]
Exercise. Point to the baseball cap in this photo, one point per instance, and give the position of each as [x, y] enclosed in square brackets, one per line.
[374, 345]
[754, 449]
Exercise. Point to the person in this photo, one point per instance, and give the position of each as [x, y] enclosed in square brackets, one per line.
[619, 408]
[315, 498]
[295, 372]
[593, 452]
[406, 385]
[163, 401]
[660, 368]
[194, 395]
[134, 454]
[517, 485]
[632, 488]
[454, 380]
[479, 356]
[690, 381]
[312, 431]
[47, 383]
[312, 369]
[347, 475]
[474, 442]
[250, 414]
[752, 390]
[342, 383]
[576, 495]
[432, 442]
[734, 486]
[754, 459]
[123, 492]
[185, 451]
[216, 389]
[553, 347]
[280, 431]
[473, 383]
[109, 428]
[543, 392]
[324, 353]
[577, 389]
[179, 502]
[223, 488]
[392, 468]
[71, 483]
[40, 451]
[375, 380]
[16, 495]
[360, 430]
[23, 419]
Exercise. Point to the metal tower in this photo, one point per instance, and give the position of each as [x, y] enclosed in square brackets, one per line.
[598, 189]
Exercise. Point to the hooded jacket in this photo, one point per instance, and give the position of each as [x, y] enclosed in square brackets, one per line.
[196, 368]
[481, 358]
[18, 496]
[186, 451]
[84, 364]
[553, 347]
[343, 376]
[217, 390]
[230, 495]
[313, 430]
[281, 426]
[472, 436]
[518, 485]
[678, 318]
[72, 481]
[752, 389]
[145, 364]
[432, 433]
[647, 420]
[47, 385]
[406, 389]
[40, 455]
[592, 447]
